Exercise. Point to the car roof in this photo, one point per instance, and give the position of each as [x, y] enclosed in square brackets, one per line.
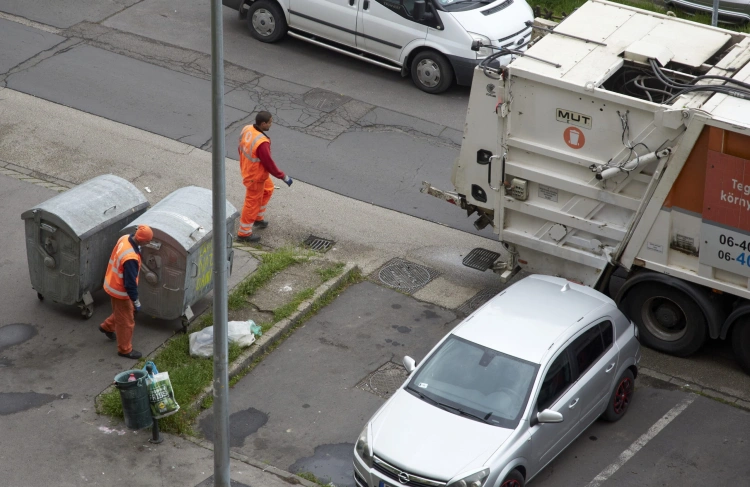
[531, 315]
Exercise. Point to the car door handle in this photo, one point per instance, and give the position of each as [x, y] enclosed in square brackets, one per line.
[351, 3]
[611, 366]
[366, 5]
[573, 403]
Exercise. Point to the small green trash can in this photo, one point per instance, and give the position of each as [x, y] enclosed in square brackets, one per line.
[134, 396]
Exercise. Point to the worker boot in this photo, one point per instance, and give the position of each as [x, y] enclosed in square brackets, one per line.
[249, 239]
[134, 354]
[110, 334]
[260, 224]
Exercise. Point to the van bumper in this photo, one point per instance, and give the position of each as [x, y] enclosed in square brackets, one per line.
[462, 67]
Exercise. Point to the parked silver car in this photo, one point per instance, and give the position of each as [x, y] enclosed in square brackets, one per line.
[733, 11]
[505, 391]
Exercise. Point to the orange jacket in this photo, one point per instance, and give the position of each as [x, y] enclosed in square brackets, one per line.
[114, 282]
[250, 165]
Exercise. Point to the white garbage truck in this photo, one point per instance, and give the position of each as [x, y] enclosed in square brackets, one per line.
[615, 152]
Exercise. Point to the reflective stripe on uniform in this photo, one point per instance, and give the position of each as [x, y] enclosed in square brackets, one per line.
[114, 291]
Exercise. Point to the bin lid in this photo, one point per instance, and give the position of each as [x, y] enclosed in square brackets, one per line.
[185, 216]
[87, 208]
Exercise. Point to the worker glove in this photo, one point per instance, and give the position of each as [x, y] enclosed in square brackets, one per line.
[137, 304]
[288, 180]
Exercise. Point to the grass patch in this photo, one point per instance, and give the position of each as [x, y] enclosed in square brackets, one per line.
[560, 7]
[270, 264]
[309, 476]
[331, 271]
[288, 309]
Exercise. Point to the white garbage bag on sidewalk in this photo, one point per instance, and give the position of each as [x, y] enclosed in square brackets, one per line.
[240, 332]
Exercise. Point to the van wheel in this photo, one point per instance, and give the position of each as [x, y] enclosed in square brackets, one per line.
[667, 319]
[266, 21]
[741, 343]
[431, 72]
[513, 479]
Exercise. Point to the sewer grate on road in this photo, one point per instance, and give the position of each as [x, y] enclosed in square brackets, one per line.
[318, 244]
[473, 303]
[405, 276]
[384, 381]
[480, 259]
[323, 100]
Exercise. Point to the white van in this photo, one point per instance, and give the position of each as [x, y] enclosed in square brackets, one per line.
[431, 39]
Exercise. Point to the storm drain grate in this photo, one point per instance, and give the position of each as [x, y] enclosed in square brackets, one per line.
[472, 304]
[384, 381]
[405, 276]
[325, 101]
[480, 259]
[318, 244]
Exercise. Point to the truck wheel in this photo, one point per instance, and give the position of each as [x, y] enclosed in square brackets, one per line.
[619, 402]
[741, 343]
[431, 72]
[266, 21]
[668, 319]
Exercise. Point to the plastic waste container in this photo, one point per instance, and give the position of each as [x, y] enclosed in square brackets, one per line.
[177, 266]
[70, 237]
[134, 396]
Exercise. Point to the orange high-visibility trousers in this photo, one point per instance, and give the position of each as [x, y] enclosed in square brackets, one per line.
[257, 196]
[122, 322]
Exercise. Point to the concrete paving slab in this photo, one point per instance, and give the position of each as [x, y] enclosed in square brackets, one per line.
[443, 292]
[21, 42]
[286, 284]
[299, 408]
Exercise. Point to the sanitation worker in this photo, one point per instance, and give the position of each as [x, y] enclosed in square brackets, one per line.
[121, 283]
[257, 166]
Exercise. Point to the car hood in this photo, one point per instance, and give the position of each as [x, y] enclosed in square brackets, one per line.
[423, 439]
[498, 25]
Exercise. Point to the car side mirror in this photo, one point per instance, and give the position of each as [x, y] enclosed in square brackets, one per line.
[409, 364]
[419, 10]
[549, 416]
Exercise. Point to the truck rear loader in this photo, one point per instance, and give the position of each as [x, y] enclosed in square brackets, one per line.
[615, 152]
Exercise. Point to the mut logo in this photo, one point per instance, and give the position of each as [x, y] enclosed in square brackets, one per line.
[573, 118]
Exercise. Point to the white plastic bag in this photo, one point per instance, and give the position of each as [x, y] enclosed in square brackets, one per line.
[202, 342]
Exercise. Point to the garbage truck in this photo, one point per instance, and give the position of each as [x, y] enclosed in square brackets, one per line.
[615, 152]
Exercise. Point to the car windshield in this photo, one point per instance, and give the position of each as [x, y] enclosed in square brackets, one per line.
[461, 5]
[466, 378]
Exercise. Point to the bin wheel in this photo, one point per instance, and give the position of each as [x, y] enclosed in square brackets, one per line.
[87, 312]
[185, 324]
[39, 295]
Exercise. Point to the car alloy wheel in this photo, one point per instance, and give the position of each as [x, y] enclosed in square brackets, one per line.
[428, 73]
[623, 395]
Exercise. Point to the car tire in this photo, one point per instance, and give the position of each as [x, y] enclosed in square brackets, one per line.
[668, 319]
[431, 72]
[621, 397]
[266, 21]
[513, 479]
[741, 343]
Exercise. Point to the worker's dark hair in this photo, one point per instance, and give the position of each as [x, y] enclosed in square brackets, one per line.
[262, 117]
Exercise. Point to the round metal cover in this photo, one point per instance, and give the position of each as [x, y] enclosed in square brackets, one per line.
[404, 275]
[323, 100]
[386, 380]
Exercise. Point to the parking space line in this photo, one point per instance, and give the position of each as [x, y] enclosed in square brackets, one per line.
[642, 441]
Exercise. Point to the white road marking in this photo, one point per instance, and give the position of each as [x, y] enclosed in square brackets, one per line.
[642, 441]
[30, 23]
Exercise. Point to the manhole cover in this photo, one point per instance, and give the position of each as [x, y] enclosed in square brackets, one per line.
[325, 101]
[472, 304]
[480, 259]
[405, 276]
[384, 381]
[318, 244]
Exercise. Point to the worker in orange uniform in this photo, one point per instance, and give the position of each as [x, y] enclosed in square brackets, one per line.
[257, 166]
[121, 283]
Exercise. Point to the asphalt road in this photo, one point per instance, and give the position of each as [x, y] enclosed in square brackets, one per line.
[341, 125]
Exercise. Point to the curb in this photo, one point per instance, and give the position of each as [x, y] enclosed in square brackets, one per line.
[689, 385]
[34, 177]
[273, 335]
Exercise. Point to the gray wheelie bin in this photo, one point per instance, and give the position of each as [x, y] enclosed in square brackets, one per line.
[70, 237]
[177, 266]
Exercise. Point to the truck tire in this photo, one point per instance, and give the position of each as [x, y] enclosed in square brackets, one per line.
[668, 319]
[266, 21]
[741, 343]
[431, 72]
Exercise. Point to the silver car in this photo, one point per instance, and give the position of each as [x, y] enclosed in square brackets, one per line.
[730, 11]
[505, 391]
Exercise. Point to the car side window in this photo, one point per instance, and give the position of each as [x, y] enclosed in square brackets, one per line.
[587, 348]
[556, 381]
[405, 8]
[607, 333]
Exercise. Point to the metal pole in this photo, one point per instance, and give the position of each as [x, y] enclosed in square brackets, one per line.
[221, 348]
[715, 14]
